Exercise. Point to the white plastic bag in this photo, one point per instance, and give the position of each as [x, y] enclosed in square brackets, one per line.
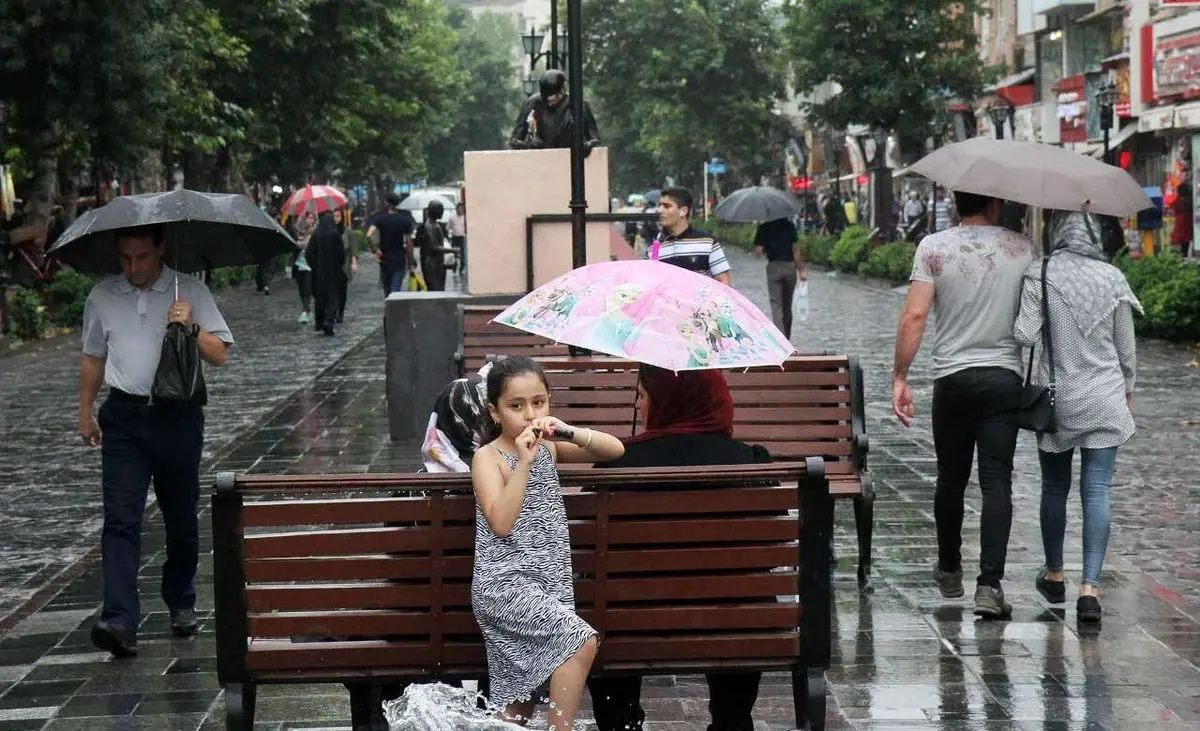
[800, 302]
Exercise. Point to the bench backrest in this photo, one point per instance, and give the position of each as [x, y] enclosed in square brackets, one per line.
[368, 577]
[479, 338]
[807, 408]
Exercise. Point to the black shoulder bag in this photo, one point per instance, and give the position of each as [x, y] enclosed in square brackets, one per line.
[1036, 412]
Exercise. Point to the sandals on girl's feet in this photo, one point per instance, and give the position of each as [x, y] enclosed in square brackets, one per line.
[1055, 592]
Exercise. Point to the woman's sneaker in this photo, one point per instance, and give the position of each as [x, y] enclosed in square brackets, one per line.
[1054, 591]
[1087, 609]
[303, 318]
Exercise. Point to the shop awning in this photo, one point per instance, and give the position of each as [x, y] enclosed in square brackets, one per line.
[1158, 118]
[1187, 116]
[1117, 140]
[1101, 12]
[1021, 77]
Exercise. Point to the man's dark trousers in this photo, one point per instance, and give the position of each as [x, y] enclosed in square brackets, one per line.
[971, 408]
[140, 444]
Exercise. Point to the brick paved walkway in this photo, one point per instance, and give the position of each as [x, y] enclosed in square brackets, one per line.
[904, 658]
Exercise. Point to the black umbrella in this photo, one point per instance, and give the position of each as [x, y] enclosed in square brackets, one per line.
[201, 230]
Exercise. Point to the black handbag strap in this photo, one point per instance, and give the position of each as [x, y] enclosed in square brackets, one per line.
[1047, 343]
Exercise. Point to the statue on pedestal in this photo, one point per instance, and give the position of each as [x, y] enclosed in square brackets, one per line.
[545, 120]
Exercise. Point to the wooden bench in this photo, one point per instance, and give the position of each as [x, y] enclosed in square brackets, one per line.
[815, 406]
[480, 339]
[812, 406]
[366, 578]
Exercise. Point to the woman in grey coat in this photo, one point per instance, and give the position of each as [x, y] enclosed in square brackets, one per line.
[1095, 360]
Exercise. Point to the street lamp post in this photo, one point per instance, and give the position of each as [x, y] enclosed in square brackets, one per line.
[1106, 97]
[881, 206]
[579, 133]
[531, 44]
[1000, 112]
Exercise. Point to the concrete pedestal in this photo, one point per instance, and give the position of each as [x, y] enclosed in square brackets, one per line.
[504, 188]
[421, 331]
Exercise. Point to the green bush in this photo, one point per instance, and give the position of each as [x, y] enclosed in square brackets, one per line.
[66, 295]
[892, 262]
[1169, 290]
[731, 234]
[232, 276]
[851, 249]
[27, 317]
[815, 248]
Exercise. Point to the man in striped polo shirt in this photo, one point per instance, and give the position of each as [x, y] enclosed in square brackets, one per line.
[680, 244]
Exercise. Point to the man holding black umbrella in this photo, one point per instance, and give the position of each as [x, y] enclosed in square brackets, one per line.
[124, 323]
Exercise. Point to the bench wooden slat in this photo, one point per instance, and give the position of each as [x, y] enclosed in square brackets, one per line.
[666, 649]
[700, 587]
[688, 502]
[379, 595]
[394, 624]
[587, 414]
[358, 541]
[726, 531]
[651, 560]
[355, 510]
[357, 568]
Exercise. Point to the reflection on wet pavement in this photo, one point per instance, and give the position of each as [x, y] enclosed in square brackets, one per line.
[904, 658]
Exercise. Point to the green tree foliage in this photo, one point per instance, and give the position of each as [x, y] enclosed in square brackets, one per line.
[229, 90]
[677, 81]
[484, 46]
[897, 62]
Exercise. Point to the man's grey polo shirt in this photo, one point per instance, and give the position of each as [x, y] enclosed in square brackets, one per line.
[126, 326]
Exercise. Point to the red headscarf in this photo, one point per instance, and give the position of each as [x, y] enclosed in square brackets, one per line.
[691, 402]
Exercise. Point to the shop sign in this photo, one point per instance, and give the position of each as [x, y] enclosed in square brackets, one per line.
[1179, 3]
[1071, 107]
[1177, 65]
[1187, 116]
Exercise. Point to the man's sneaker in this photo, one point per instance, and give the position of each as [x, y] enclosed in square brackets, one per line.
[184, 622]
[1054, 591]
[112, 638]
[949, 582]
[303, 318]
[990, 603]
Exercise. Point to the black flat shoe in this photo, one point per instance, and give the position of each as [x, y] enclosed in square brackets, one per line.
[184, 622]
[1087, 609]
[114, 639]
[1055, 592]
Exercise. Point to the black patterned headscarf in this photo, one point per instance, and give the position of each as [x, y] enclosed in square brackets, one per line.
[456, 425]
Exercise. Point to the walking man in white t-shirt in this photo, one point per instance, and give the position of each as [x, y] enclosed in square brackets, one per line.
[970, 276]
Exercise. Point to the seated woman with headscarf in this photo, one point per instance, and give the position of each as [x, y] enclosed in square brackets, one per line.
[455, 426]
[689, 422]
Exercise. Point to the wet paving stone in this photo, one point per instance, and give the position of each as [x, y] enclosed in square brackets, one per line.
[904, 658]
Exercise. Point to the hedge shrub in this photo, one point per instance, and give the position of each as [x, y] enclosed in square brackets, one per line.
[66, 295]
[892, 262]
[731, 234]
[815, 248]
[26, 314]
[1169, 290]
[851, 249]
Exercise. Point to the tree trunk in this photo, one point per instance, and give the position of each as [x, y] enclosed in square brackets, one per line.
[45, 188]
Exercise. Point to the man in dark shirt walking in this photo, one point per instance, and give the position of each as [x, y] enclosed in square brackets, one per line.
[777, 241]
[393, 247]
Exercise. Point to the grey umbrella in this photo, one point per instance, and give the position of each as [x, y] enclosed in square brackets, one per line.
[200, 230]
[757, 203]
[1034, 174]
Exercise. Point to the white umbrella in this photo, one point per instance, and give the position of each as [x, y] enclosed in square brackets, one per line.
[1034, 174]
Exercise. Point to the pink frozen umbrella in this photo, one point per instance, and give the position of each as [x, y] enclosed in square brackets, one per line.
[653, 313]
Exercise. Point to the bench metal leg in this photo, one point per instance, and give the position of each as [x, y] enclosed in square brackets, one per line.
[239, 706]
[864, 522]
[808, 696]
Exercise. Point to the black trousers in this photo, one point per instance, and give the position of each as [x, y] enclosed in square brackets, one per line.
[304, 286]
[141, 444]
[973, 409]
[617, 701]
[433, 266]
[343, 292]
